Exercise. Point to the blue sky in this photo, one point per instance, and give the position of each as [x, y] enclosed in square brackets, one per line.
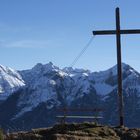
[33, 31]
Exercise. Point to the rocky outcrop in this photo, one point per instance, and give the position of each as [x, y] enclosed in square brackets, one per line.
[82, 131]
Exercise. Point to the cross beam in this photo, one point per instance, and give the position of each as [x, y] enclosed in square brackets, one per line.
[113, 32]
[118, 33]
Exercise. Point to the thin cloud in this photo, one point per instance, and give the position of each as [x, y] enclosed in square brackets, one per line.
[4, 27]
[25, 44]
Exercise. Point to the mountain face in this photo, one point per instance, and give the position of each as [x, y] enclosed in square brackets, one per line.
[36, 96]
[10, 81]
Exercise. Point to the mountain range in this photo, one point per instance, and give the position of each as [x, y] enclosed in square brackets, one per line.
[33, 98]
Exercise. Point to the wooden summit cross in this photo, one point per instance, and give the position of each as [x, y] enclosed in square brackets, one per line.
[118, 33]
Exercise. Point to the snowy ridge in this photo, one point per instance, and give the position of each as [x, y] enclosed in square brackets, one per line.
[10, 81]
[53, 86]
[74, 83]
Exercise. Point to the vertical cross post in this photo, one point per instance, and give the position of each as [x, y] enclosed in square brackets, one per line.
[119, 67]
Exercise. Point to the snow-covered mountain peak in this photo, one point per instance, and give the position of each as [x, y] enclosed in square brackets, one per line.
[49, 88]
[113, 70]
[2, 68]
[47, 83]
[125, 67]
[126, 71]
[10, 81]
[72, 71]
[45, 67]
[6, 72]
[9, 71]
[109, 77]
